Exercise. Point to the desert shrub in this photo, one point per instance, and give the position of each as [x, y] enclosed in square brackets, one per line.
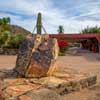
[73, 45]
[18, 39]
[10, 40]
[7, 37]
[62, 46]
[4, 24]
[61, 53]
[3, 38]
[90, 30]
[0, 40]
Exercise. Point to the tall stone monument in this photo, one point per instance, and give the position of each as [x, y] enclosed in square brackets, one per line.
[37, 54]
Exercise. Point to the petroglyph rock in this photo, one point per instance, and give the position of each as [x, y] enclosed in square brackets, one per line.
[37, 56]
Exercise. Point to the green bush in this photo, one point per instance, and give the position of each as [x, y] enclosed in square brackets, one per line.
[62, 53]
[3, 38]
[4, 24]
[18, 39]
[9, 40]
[90, 30]
[73, 45]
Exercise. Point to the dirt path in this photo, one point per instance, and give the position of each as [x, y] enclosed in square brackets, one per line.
[86, 63]
[7, 62]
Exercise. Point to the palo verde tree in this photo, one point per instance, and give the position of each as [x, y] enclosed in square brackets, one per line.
[8, 39]
[4, 24]
[5, 21]
[90, 30]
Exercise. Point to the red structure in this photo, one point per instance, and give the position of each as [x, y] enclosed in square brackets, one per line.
[88, 41]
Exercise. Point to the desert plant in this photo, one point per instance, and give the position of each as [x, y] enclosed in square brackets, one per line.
[18, 38]
[73, 45]
[4, 24]
[60, 29]
[90, 30]
[5, 39]
[10, 40]
[62, 46]
[5, 21]
[4, 36]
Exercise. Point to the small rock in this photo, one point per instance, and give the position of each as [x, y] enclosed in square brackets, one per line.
[18, 90]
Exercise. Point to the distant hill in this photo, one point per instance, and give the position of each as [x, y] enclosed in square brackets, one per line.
[17, 29]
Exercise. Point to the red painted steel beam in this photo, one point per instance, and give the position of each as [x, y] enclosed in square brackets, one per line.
[75, 37]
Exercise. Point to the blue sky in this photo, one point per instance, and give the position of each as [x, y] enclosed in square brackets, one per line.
[74, 15]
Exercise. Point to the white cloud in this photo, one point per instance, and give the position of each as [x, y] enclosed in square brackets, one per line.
[53, 16]
[17, 20]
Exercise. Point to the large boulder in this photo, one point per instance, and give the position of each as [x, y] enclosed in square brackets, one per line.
[37, 56]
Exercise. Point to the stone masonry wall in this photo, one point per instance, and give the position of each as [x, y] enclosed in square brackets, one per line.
[4, 51]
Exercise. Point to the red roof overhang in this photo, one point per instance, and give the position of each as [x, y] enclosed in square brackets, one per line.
[76, 37]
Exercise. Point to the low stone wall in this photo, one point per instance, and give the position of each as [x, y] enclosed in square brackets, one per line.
[5, 51]
[44, 88]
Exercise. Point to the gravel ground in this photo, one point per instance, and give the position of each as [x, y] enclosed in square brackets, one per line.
[83, 62]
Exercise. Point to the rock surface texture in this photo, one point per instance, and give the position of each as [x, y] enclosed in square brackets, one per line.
[45, 88]
[37, 56]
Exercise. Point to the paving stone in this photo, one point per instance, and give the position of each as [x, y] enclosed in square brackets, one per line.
[49, 81]
[12, 98]
[13, 82]
[25, 97]
[44, 94]
[59, 82]
[17, 90]
[54, 83]
[91, 79]
[62, 75]
[76, 86]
